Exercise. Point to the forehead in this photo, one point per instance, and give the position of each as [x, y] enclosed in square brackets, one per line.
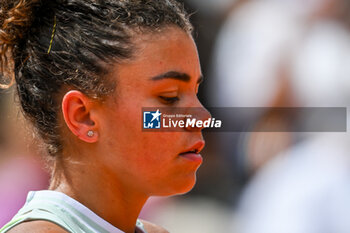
[170, 49]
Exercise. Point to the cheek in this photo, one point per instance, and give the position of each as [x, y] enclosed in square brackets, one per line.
[126, 138]
[150, 159]
[156, 149]
[125, 134]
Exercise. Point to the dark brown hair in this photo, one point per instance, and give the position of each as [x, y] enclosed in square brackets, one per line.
[88, 36]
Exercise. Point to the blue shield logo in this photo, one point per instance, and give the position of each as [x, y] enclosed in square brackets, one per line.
[151, 119]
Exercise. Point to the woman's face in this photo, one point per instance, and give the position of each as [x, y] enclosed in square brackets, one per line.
[150, 162]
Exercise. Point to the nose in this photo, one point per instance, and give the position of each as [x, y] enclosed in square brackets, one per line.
[199, 116]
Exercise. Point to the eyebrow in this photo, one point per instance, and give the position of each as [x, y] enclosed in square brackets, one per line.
[175, 75]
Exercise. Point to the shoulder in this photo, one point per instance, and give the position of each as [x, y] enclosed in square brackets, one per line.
[37, 226]
[152, 228]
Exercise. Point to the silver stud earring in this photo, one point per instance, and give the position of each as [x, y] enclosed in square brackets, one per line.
[90, 133]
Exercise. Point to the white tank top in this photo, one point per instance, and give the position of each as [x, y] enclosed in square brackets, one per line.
[64, 211]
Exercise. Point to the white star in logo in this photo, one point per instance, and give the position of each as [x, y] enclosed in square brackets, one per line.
[156, 115]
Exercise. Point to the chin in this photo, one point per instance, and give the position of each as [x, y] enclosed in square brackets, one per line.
[180, 187]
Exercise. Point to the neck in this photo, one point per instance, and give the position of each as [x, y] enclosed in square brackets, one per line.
[102, 193]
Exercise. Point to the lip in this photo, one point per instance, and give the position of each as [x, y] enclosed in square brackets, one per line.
[198, 147]
[192, 153]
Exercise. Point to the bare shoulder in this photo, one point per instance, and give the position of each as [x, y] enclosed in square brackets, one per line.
[152, 228]
[37, 226]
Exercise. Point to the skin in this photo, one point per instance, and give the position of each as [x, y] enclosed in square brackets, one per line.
[116, 170]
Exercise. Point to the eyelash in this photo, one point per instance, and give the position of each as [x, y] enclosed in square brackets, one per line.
[169, 100]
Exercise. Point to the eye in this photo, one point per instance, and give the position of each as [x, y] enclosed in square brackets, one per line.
[169, 100]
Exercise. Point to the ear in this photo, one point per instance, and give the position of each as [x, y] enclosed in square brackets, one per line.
[79, 116]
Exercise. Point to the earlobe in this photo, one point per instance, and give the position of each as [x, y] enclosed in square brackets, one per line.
[78, 116]
[87, 135]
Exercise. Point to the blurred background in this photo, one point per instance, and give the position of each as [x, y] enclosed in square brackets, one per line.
[254, 53]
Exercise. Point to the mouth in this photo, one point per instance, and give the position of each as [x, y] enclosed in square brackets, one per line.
[196, 151]
[192, 153]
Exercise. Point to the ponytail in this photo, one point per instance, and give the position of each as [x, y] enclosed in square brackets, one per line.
[16, 17]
